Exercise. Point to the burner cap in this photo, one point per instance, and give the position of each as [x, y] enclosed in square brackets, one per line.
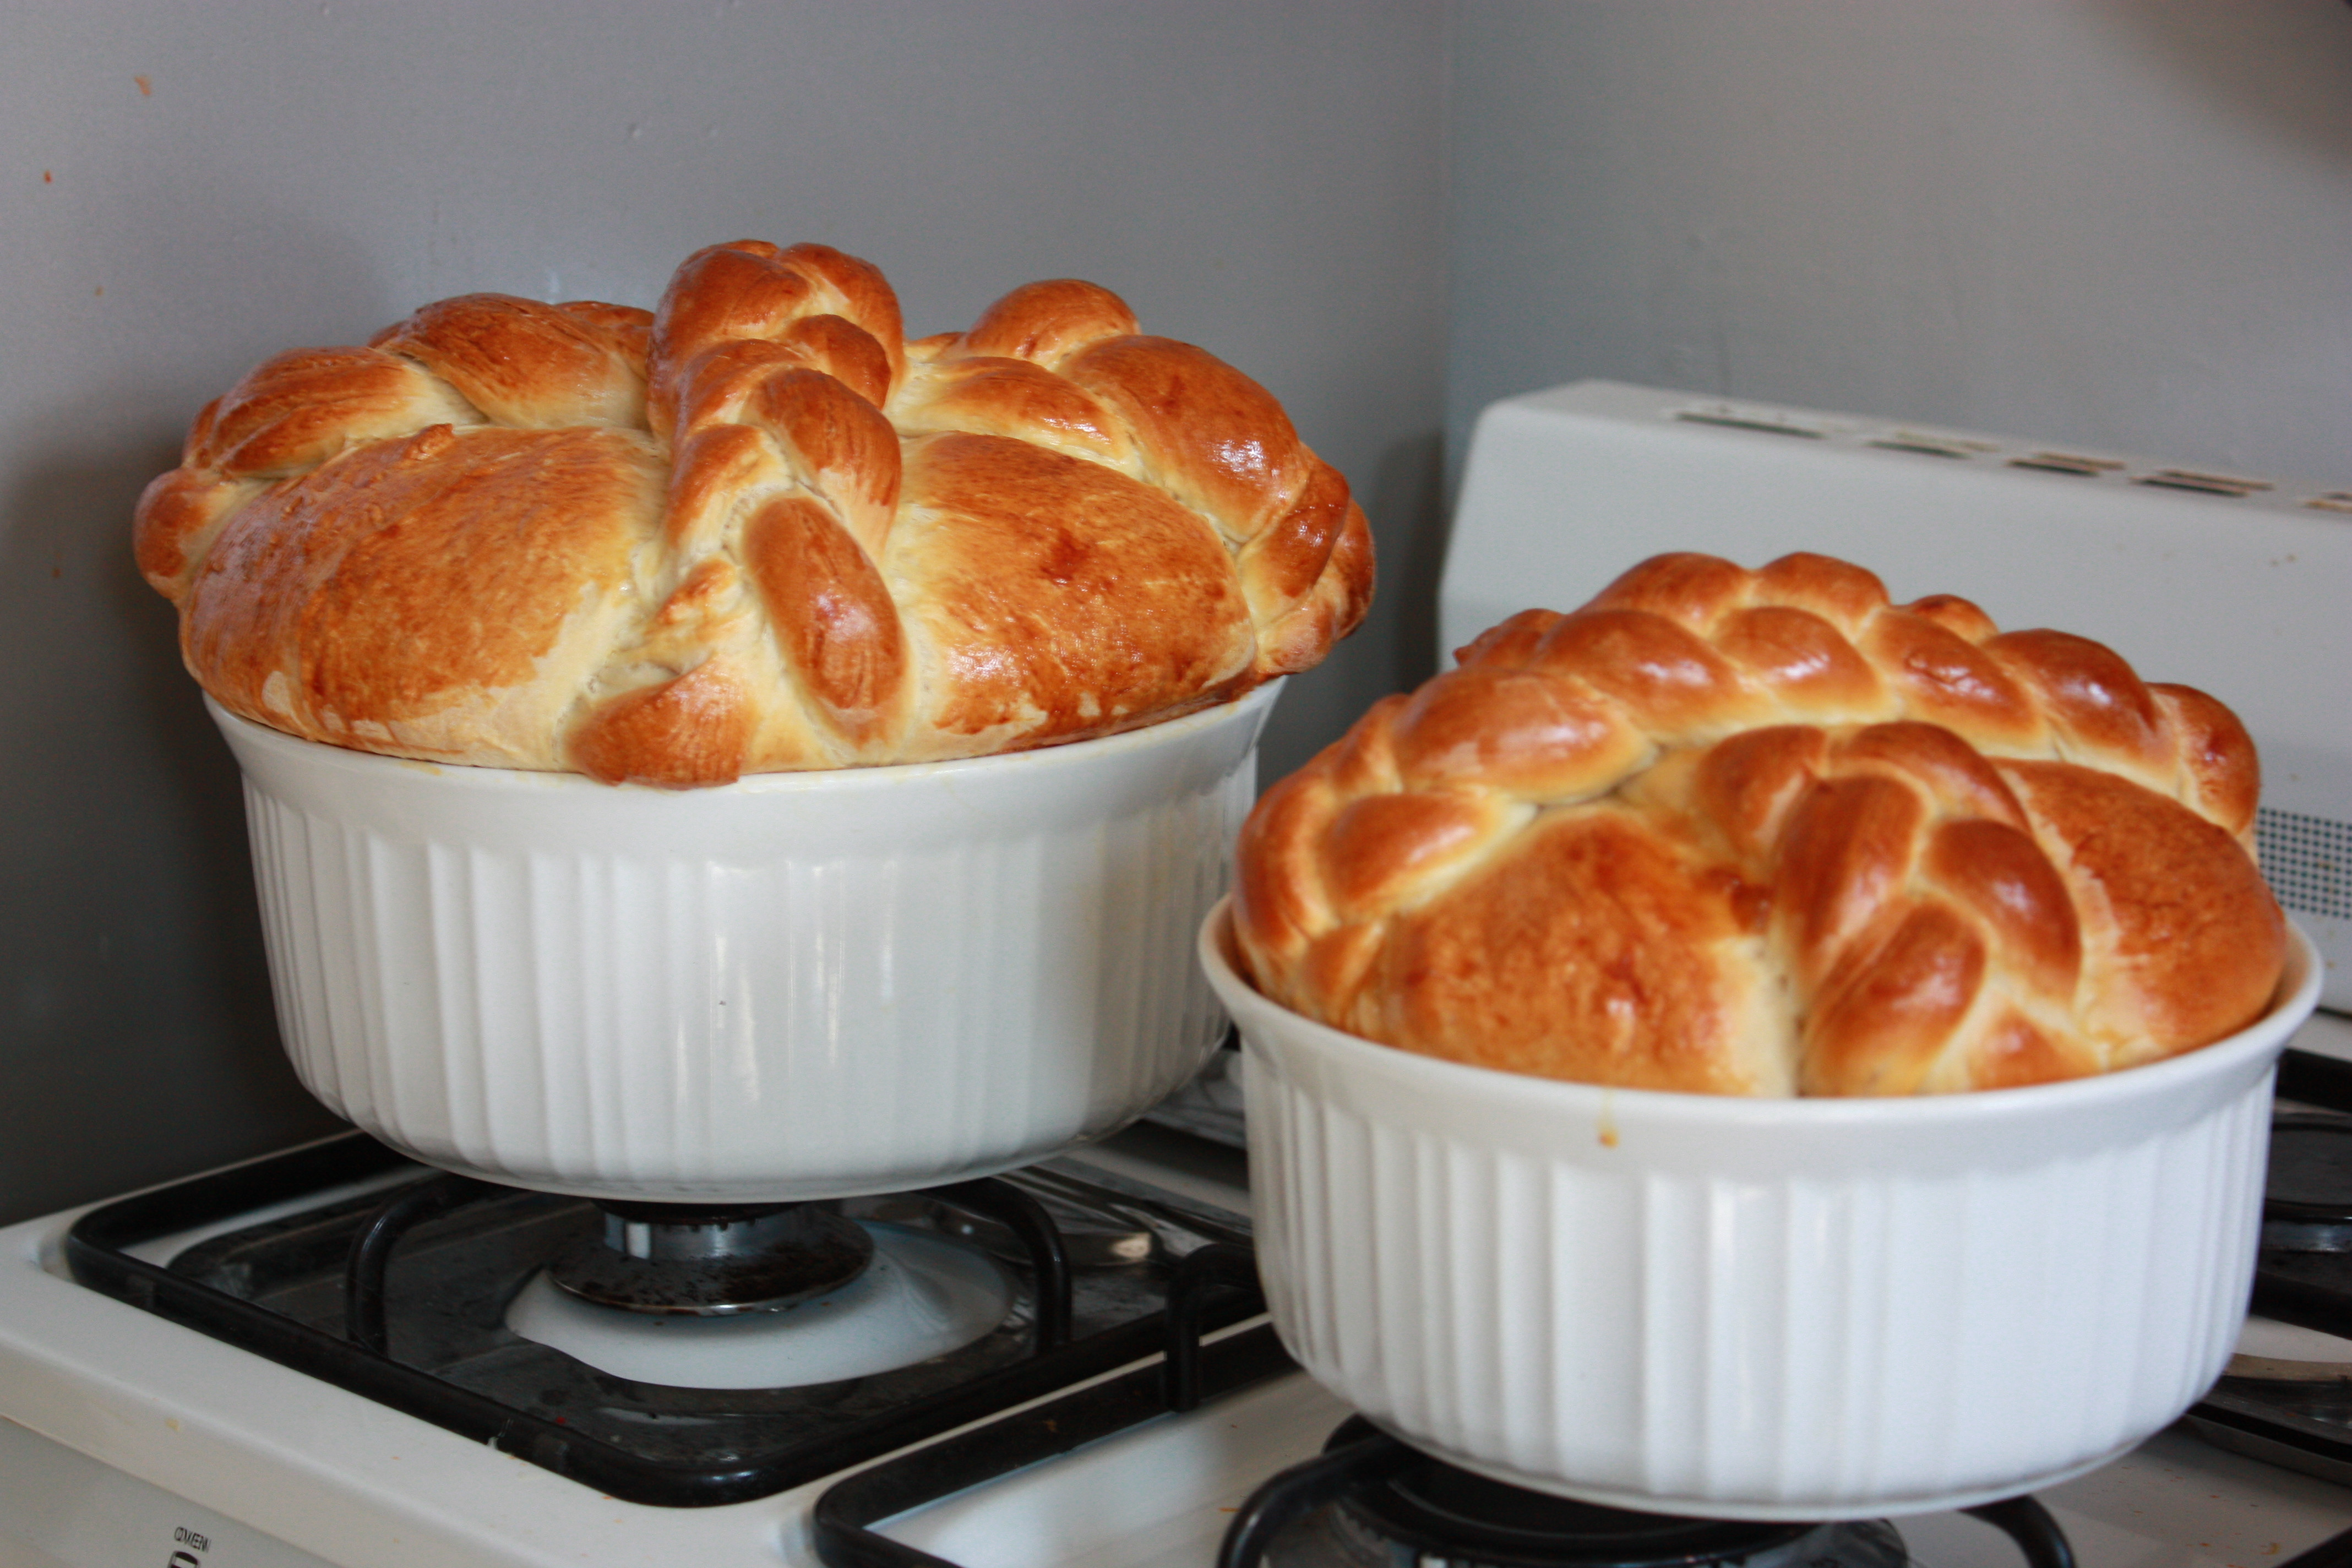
[712, 1262]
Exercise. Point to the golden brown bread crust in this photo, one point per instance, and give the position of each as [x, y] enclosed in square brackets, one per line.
[1765, 833]
[754, 531]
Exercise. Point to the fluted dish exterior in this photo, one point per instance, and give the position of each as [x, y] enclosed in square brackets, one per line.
[1812, 1309]
[800, 985]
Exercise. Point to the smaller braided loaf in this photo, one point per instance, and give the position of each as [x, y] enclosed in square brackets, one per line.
[754, 531]
[1766, 833]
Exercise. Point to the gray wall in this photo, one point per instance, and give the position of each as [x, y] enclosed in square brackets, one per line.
[188, 188]
[2122, 225]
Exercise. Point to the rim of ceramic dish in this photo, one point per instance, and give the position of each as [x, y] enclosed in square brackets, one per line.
[1067, 755]
[2297, 993]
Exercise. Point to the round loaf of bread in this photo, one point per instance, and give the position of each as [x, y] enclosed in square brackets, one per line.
[754, 531]
[1766, 833]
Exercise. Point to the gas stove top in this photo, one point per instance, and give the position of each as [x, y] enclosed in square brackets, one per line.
[462, 1303]
[128, 1436]
[325, 1356]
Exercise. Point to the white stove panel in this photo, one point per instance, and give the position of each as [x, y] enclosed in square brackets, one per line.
[61, 1509]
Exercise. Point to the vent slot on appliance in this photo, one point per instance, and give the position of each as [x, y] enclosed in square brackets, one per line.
[2066, 463]
[2332, 501]
[1750, 419]
[2308, 861]
[2204, 484]
[1932, 446]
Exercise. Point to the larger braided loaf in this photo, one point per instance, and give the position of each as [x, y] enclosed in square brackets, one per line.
[1763, 833]
[754, 531]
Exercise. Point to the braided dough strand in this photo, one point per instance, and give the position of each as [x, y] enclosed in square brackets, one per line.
[756, 530]
[1767, 833]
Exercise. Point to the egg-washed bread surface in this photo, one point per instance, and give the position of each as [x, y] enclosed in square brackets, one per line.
[754, 531]
[1763, 832]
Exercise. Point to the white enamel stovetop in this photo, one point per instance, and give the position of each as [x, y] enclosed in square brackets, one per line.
[126, 1440]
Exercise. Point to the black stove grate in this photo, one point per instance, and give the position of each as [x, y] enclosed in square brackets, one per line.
[2302, 1425]
[1369, 1497]
[2315, 1434]
[1194, 1371]
[425, 1332]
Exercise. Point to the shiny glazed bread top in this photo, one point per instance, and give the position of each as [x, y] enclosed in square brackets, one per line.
[754, 531]
[1766, 833]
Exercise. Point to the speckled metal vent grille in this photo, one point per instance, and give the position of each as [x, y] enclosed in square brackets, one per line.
[2308, 861]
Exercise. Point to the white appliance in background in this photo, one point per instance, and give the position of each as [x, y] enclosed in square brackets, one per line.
[2239, 585]
[126, 1438]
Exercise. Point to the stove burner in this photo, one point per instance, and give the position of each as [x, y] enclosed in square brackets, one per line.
[1436, 1510]
[1370, 1502]
[2307, 1197]
[715, 1262]
[345, 1261]
[922, 1296]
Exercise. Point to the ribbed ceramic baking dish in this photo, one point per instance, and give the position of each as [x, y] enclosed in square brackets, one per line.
[797, 985]
[1807, 1309]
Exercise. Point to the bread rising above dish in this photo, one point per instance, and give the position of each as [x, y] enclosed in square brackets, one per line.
[754, 531]
[1763, 832]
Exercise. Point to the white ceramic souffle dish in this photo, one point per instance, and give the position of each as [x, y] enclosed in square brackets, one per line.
[798, 985]
[1755, 1309]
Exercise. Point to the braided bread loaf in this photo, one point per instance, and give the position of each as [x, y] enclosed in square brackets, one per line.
[755, 530]
[1763, 833]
